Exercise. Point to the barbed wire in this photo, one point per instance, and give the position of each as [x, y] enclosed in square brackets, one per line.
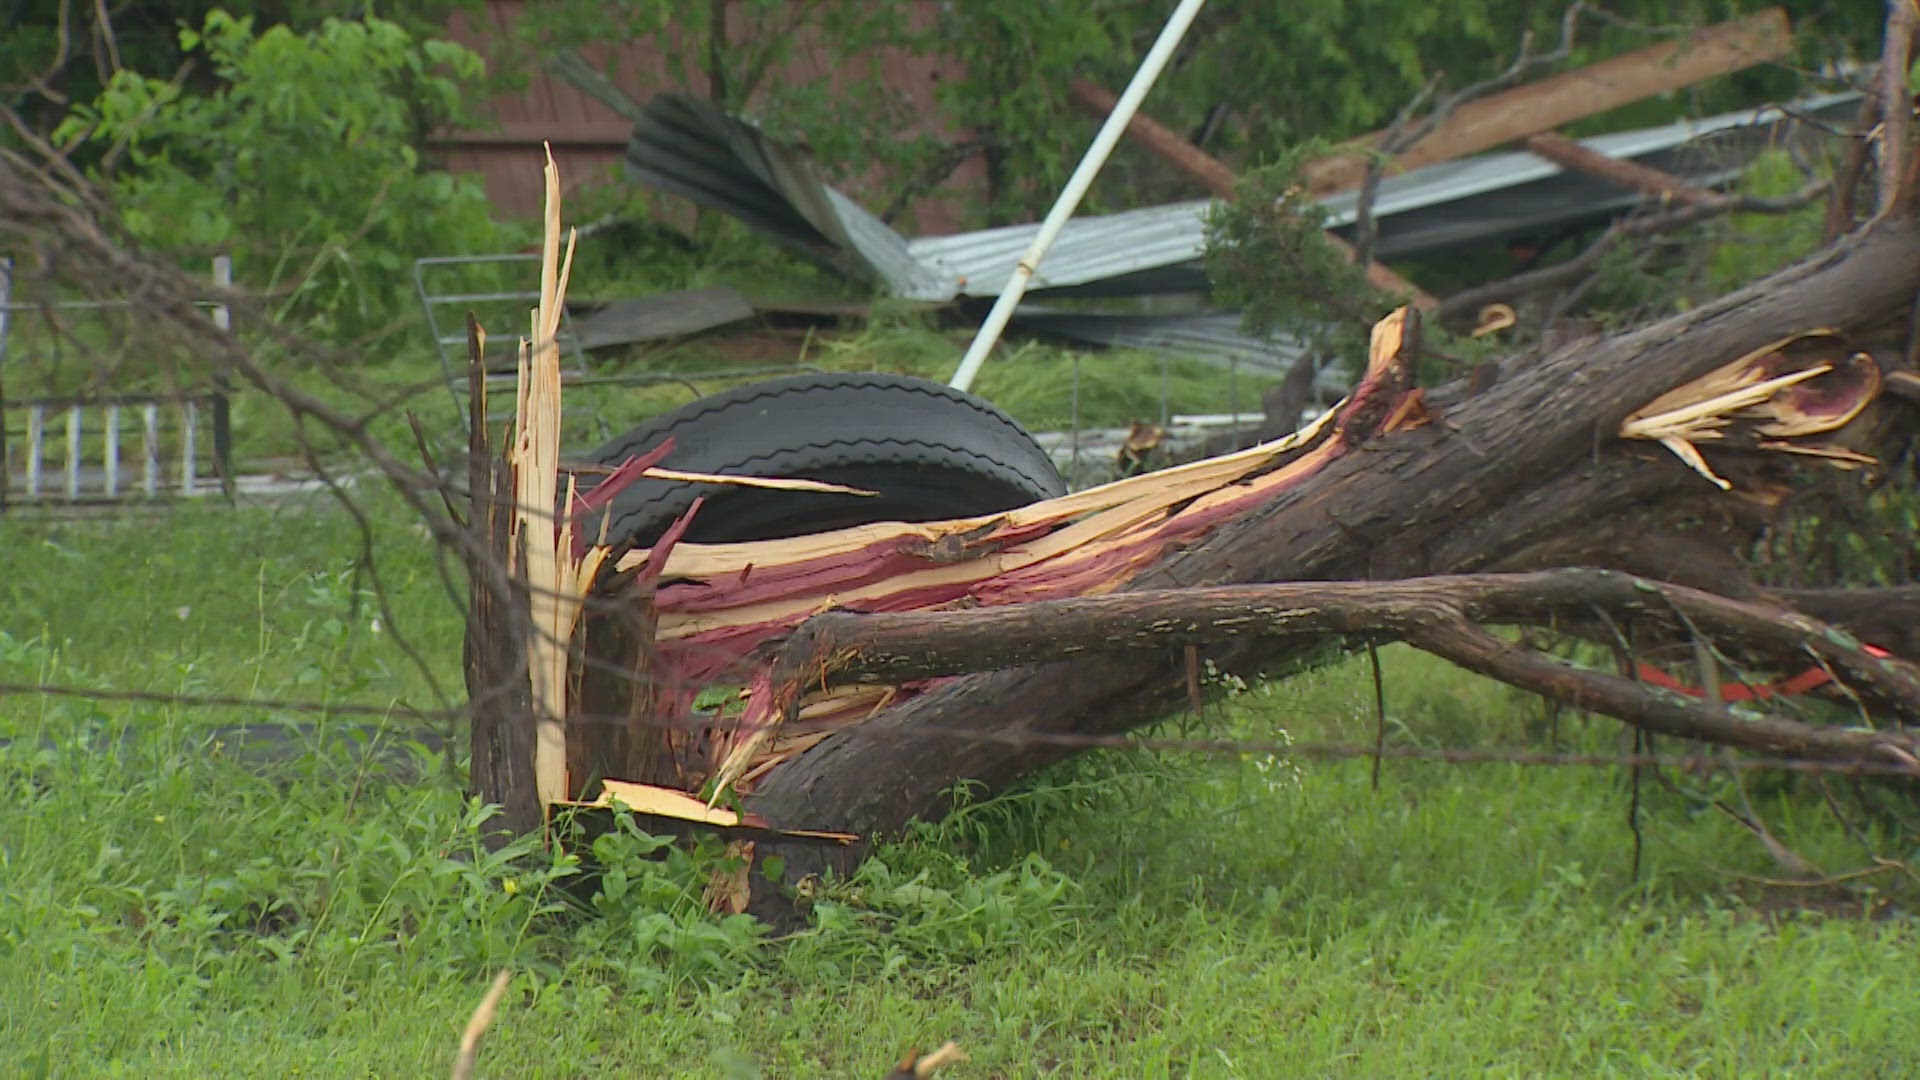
[1702, 761]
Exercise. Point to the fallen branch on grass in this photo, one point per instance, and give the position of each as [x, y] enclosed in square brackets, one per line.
[1441, 615]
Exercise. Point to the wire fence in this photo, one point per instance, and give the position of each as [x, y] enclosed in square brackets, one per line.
[1697, 761]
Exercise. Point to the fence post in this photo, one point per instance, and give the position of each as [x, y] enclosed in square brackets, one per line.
[73, 452]
[189, 423]
[150, 449]
[110, 450]
[222, 418]
[6, 313]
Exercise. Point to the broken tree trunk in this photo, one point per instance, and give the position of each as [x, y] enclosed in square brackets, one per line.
[499, 694]
[1533, 458]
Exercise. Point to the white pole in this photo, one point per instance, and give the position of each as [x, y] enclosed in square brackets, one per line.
[1076, 188]
[223, 277]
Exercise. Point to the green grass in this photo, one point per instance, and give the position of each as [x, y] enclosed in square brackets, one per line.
[172, 911]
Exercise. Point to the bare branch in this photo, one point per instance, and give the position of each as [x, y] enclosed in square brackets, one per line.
[1399, 137]
[1896, 109]
[1463, 306]
[1569, 154]
[1852, 168]
[1437, 614]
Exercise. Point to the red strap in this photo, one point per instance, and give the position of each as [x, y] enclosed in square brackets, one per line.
[1810, 679]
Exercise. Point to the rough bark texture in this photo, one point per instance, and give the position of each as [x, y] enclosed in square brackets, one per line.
[607, 731]
[1531, 460]
[1888, 617]
[499, 693]
[841, 647]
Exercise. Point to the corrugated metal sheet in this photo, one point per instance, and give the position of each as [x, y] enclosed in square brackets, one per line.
[1214, 336]
[689, 148]
[1424, 210]
[588, 135]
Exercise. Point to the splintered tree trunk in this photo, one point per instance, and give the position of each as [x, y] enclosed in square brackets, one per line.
[1529, 461]
[499, 695]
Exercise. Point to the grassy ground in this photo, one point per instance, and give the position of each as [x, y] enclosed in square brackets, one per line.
[171, 911]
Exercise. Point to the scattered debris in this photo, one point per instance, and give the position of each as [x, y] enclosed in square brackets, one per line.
[660, 317]
[915, 1067]
[689, 148]
[718, 161]
[477, 1026]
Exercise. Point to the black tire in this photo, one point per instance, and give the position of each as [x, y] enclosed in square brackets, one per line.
[930, 451]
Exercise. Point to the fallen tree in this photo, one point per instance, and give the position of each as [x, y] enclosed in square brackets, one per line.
[1089, 614]
[1659, 452]
[1662, 452]
[1509, 478]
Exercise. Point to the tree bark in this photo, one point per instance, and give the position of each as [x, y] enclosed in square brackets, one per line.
[1490, 476]
[1569, 154]
[499, 694]
[840, 647]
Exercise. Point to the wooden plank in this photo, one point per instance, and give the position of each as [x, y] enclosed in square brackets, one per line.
[1561, 99]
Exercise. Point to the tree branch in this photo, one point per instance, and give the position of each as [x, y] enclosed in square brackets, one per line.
[1853, 166]
[1462, 306]
[1569, 154]
[1434, 613]
[1896, 109]
[1400, 137]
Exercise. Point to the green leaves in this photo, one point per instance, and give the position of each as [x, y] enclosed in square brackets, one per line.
[301, 163]
[1268, 254]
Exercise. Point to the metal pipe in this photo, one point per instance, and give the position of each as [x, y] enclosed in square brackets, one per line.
[1077, 184]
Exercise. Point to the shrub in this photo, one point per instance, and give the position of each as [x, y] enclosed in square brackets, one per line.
[302, 163]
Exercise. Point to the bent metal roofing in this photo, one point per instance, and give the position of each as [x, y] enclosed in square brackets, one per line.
[690, 148]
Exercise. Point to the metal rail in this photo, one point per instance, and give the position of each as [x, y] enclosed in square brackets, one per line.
[112, 448]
